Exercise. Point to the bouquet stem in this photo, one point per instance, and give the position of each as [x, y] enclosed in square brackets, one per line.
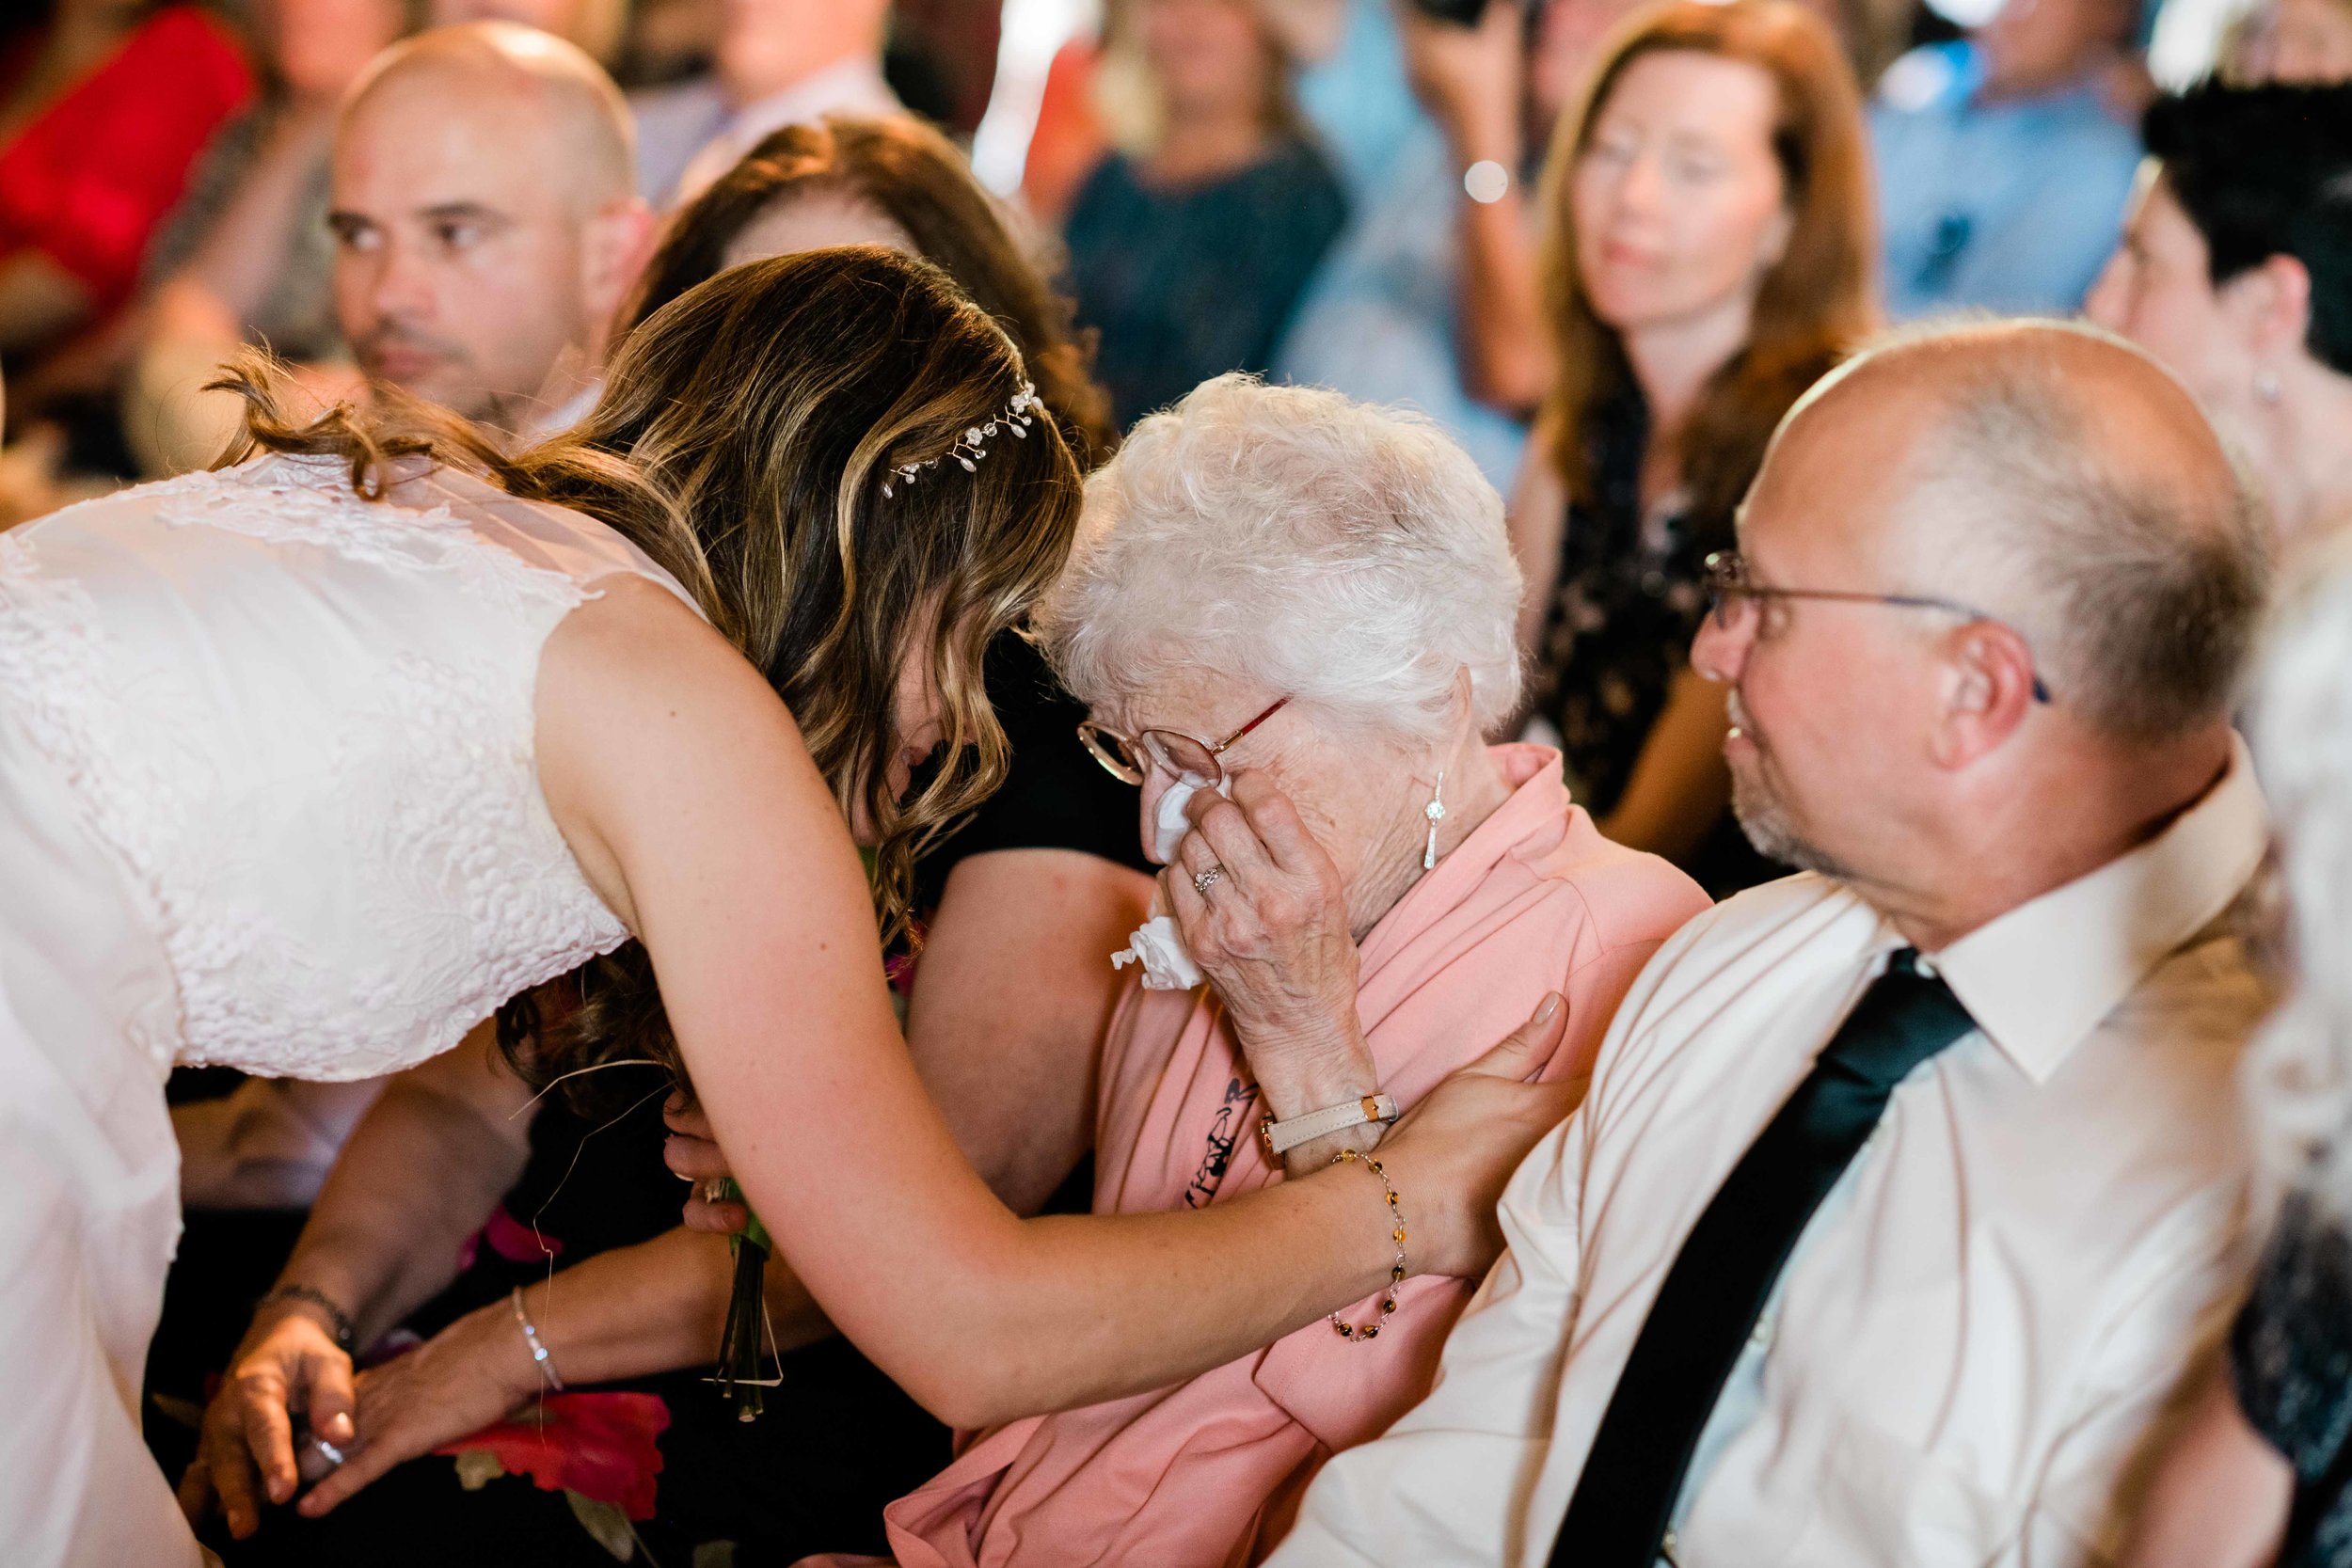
[744, 1343]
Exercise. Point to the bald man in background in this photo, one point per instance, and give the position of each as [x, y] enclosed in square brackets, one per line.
[486, 222]
[1907, 1198]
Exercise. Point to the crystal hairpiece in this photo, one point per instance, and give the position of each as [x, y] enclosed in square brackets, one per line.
[969, 451]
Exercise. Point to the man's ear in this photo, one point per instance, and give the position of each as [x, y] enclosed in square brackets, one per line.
[1988, 688]
[613, 250]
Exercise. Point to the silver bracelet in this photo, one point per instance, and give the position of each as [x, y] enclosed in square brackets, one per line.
[530, 1338]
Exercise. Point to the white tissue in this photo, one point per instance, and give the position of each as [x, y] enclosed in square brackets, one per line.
[1159, 948]
[1169, 824]
[1158, 945]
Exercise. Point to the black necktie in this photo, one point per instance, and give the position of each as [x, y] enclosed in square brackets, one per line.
[1726, 1269]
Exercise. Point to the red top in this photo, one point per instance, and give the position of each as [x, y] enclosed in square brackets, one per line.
[88, 179]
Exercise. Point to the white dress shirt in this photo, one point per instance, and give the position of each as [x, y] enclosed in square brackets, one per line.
[688, 135]
[1984, 1325]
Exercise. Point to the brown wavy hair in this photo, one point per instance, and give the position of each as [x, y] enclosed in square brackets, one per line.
[915, 177]
[744, 435]
[1814, 305]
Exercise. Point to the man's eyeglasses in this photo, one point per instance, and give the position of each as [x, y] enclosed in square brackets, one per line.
[1728, 588]
[1196, 761]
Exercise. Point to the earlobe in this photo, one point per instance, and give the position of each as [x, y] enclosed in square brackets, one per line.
[1989, 691]
[2279, 305]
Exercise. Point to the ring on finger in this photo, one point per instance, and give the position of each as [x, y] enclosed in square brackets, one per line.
[1205, 880]
[715, 1190]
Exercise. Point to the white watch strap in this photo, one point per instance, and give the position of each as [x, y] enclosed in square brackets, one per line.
[1284, 1136]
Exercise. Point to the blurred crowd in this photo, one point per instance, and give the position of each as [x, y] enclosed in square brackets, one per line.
[1603, 245]
[1347, 193]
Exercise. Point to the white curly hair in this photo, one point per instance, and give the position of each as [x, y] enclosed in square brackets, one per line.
[1353, 556]
[2298, 1076]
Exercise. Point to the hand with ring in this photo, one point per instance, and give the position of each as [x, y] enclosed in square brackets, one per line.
[1265, 915]
[692, 1153]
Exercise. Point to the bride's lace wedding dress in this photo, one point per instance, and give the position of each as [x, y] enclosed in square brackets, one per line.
[267, 800]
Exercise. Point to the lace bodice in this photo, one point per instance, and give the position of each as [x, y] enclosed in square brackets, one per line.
[301, 724]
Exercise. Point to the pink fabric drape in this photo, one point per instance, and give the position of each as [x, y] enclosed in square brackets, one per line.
[1210, 1472]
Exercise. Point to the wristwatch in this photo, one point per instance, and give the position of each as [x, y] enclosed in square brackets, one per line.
[1280, 1136]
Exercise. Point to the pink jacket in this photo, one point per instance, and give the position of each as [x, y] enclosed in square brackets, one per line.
[1209, 1471]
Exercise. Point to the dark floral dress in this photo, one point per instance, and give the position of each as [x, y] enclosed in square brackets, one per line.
[1629, 597]
[2290, 1360]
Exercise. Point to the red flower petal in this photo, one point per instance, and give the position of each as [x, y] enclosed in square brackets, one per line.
[599, 1445]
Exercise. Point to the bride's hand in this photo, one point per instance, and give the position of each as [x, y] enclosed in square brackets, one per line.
[692, 1152]
[1271, 932]
[1451, 1155]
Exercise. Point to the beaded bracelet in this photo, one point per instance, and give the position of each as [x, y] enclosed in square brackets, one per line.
[1344, 1329]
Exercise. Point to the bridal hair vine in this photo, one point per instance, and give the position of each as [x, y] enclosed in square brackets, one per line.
[1016, 417]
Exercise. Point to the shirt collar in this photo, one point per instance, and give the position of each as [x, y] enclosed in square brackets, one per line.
[853, 86]
[2039, 979]
[556, 420]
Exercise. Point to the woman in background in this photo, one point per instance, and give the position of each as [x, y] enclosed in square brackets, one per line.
[1187, 254]
[2235, 271]
[2292, 40]
[1709, 257]
[104, 106]
[245, 257]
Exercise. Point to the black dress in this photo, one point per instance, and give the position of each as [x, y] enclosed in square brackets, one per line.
[2290, 1360]
[1629, 599]
[840, 1439]
[1187, 283]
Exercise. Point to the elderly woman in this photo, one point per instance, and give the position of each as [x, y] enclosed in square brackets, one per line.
[2235, 271]
[1304, 605]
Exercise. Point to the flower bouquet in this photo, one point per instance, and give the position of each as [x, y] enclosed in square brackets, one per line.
[744, 1341]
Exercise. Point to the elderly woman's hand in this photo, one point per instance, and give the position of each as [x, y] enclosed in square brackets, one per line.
[1271, 932]
[287, 1364]
[475, 1372]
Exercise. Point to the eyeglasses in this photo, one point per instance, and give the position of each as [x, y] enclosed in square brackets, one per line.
[1188, 757]
[1727, 588]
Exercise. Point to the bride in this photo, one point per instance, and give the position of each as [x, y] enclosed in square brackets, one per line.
[310, 763]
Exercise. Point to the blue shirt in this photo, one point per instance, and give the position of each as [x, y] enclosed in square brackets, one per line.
[2012, 205]
[1377, 319]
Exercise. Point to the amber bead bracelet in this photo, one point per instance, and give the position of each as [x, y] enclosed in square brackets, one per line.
[1340, 1325]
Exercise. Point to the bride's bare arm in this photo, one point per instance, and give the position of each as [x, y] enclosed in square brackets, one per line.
[683, 788]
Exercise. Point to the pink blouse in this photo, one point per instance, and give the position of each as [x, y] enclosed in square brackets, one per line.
[1209, 1471]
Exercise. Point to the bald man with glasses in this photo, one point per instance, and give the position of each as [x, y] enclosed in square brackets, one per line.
[1907, 1199]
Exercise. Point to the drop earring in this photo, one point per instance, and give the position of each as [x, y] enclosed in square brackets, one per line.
[1435, 811]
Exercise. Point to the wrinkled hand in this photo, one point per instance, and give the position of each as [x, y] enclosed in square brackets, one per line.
[1451, 1155]
[1471, 79]
[692, 1152]
[288, 1365]
[1272, 934]
[475, 1372]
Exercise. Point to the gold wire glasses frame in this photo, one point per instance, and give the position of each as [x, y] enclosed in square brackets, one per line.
[1188, 757]
[1728, 582]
